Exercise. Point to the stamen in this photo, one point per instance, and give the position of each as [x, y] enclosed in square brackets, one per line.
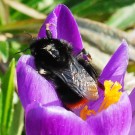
[86, 112]
[112, 94]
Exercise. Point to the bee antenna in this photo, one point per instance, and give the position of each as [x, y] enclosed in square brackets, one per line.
[31, 37]
[48, 32]
[23, 50]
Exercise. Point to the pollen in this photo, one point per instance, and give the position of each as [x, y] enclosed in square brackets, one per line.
[86, 112]
[112, 94]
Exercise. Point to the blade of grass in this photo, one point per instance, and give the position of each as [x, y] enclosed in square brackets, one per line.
[25, 9]
[0, 107]
[49, 8]
[4, 12]
[4, 51]
[99, 9]
[7, 98]
[18, 15]
[123, 18]
[18, 120]
[25, 25]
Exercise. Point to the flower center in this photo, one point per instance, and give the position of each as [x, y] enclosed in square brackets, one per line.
[111, 96]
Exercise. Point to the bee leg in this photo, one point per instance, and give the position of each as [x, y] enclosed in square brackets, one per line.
[48, 32]
[88, 67]
[85, 55]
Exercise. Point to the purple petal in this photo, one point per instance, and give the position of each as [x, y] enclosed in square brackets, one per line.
[116, 68]
[114, 71]
[132, 100]
[54, 120]
[132, 128]
[115, 120]
[32, 86]
[63, 26]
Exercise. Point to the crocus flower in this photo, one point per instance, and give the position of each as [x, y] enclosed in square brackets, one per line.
[132, 100]
[44, 113]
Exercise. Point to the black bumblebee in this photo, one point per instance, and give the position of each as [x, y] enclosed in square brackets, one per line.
[74, 77]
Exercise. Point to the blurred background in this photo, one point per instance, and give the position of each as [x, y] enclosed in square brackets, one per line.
[103, 25]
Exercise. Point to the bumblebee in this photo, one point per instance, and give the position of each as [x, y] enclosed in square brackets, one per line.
[74, 78]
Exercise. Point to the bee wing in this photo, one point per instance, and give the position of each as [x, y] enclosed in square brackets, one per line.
[79, 80]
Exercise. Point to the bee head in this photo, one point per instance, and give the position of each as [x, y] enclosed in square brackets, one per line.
[50, 53]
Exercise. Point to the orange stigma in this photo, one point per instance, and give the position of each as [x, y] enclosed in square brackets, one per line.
[86, 112]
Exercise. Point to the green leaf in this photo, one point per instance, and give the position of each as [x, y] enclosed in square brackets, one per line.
[25, 25]
[49, 8]
[20, 16]
[99, 9]
[7, 97]
[23, 8]
[0, 105]
[123, 18]
[4, 51]
[4, 12]
[131, 67]
[18, 120]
